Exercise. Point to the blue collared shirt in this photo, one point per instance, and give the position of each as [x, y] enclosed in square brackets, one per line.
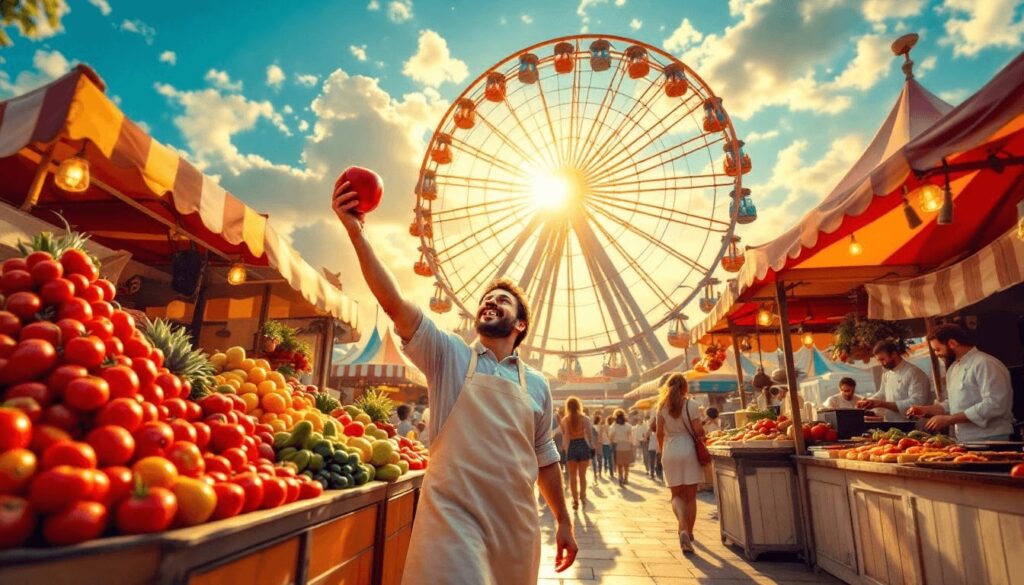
[444, 358]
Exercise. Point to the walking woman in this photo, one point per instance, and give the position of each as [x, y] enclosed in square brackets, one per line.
[622, 438]
[678, 427]
[607, 449]
[576, 430]
[596, 459]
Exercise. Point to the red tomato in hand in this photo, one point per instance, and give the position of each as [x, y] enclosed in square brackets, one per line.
[87, 394]
[55, 488]
[17, 521]
[230, 500]
[147, 510]
[87, 351]
[15, 429]
[152, 438]
[77, 523]
[17, 466]
[122, 412]
[71, 453]
[187, 458]
[114, 445]
[253, 486]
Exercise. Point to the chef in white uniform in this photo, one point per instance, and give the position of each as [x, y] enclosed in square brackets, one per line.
[903, 384]
[846, 398]
[978, 387]
[490, 428]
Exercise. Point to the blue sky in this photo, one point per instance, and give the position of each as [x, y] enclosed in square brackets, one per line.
[276, 98]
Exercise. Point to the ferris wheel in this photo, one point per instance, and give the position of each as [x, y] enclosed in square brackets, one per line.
[601, 174]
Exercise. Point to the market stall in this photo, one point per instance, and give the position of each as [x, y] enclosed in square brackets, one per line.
[381, 364]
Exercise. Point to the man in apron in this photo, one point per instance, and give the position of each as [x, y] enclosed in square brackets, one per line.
[490, 429]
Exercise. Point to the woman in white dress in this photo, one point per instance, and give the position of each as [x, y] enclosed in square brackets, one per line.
[678, 423]
[622, 437]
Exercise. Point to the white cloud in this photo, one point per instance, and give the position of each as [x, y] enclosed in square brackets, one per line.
[140, 28]
[526, 18]
[620, 2]
[303, 125]
[585, 5]
[287, 109]
[760, 136]
[683, 37]
[973, 25]
[399, 10]
[635, 24]
[953, 96]
[878, 10]
[307, 79]
[48, 66]
[870, 65]
[221, 79]
[103, 6]
[359, 52]
[169, 57]
[275, 75]
[432, 65]
[211, 119]
[927, 64]
[373, 5]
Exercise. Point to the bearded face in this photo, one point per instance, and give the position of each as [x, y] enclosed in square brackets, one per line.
[496, 316]
[943, 351]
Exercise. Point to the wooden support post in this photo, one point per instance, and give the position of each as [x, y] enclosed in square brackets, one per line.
[199, 310]
[261, 320]
[739, 366]
[787, 350]
[327, 352]
[940, 391]
[42, 170]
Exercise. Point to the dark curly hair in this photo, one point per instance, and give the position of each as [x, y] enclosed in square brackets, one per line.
[522, 313]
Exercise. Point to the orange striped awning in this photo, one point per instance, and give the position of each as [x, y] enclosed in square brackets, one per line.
[73, 114]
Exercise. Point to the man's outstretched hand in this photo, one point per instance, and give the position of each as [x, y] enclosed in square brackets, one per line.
[343, 201]
[565, 542]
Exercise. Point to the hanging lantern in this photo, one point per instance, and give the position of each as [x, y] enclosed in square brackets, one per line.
[600, 55]
[678, 336]
[465, 113]
[422, 267]
[714, 115]
[494, 90]
[73, 175]
[442, 151]
[528, 68]
[746, 211]
[731, 168]
[765, 317]
[675, 80]
[236, 274]
[930, 198]
[440, 303]
[808, 339]
[427, 187]
[639, 66]
[710, 298]
[855, 248]
[564, 57]
[733, 259]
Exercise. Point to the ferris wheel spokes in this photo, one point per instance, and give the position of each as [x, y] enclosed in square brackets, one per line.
[469, 149]
[614, 203]
[628, 117]
[602, 114]
[652, 240]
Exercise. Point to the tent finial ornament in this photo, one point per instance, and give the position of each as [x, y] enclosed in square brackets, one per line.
[902, 46]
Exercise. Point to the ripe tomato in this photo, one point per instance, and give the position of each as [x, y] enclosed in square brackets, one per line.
[92, 293]
[152, 394]
[253, 486]
[114, 445]
[15, 429]
[87, 351]
[34, 390]
[123, 381]
[193, 412]
[237, 457]
[27, 405]
[170, 384]
[87, 394]
[55, 488]
[121, 482]
[224, 436]
[81, 283]
[152, 438]
[17, 521]
[183, 430]
[100, 491]
[102, 309]
[14, 264]
[156, 471]
[114, 347]
[78, 262]
[197, 501]
[137, 346]
[187, 458]
[157, 355]
[124, 324]
[58, 381]
[310, 489]
[216, 403]
[29, 361]
[293, 486]
[217, 463]
[57, 291]
[17, 467]
[122, 412]
[16, 281]
[70, 329]
[44, 330]
[24, 304]
[147, 510]
[45, 435]
[100, 327]
[71, 453]
[149, 411]
[1017, 470]
[36, 257]
[76, 308]
[144, 369]
[230, 500]
[45, 271]
[10, 324]
[176, 408]
[7, 345]
[77, 523]
[108, 288]
[275, 492]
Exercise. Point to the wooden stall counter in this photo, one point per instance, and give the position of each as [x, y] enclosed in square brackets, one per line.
[757, 499]
[336, 538]
[897, 524]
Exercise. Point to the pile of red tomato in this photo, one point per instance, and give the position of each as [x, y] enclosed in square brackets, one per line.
[96, 436]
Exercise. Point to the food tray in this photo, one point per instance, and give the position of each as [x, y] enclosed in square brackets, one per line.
[966, 465]
[1014, 446]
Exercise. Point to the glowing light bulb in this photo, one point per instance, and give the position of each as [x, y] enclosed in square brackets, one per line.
[808, 339]
[73, 175]
[930, 197]
[855, 248]
[764, 317]
[236, 274]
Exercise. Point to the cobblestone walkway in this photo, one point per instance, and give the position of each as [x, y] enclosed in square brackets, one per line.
[628, 536]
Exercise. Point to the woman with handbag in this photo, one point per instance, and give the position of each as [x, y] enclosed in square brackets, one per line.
[683, 453]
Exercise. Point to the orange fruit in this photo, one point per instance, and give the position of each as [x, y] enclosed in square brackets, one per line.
[266, 387]
[269, 417]
[257, 374]
[156, 472]
[252, 401]
[287, 419]
[277, 378]
[273, 403]
[257, 413]
[278, 426]
[247, 388]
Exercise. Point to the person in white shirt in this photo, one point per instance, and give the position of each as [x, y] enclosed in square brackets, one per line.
[903, 384]
[846, 398]
[639, 441]
[643, 434]
[710, 421]
[652, 450]
[978, 387]
[622, 437]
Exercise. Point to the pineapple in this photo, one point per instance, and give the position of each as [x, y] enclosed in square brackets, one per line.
[57, 245]
[376, 404]
[325, 403]
[180, 357]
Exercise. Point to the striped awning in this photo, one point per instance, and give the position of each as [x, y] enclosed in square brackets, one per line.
[73, 114]
[994, 268]
[381, 374]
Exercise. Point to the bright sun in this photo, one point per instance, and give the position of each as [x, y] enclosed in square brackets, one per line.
[555, 189]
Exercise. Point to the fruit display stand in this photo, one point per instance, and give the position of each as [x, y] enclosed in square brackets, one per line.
[357, 536]
[894, 524]
[756, 491]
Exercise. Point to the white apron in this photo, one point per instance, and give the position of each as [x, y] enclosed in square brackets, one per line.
[476, 522]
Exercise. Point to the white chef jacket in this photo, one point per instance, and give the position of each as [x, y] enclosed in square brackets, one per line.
[979, 387]
[837, 401]
[905, 385]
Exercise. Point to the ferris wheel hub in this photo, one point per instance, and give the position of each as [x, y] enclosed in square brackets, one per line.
[558, 189]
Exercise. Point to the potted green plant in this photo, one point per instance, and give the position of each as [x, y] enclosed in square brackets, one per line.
[271, 335]
[855, 336]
